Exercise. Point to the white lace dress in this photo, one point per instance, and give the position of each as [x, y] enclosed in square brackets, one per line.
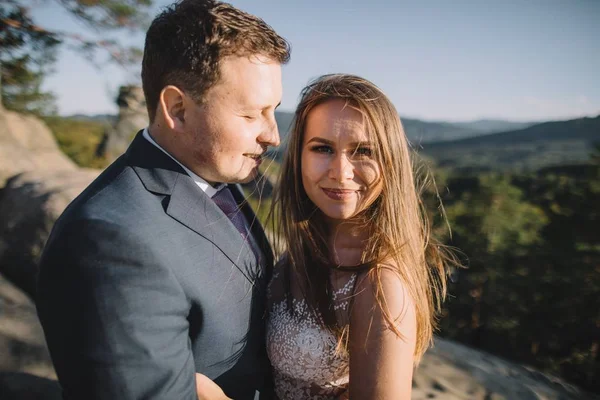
[306, 365]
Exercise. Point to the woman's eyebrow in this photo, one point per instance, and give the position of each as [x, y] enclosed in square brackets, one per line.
[330, 142]
[320, 140]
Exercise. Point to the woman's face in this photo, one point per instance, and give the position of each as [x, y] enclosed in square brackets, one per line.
[339, 173]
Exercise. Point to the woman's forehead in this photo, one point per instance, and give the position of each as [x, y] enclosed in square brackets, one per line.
[336, 118]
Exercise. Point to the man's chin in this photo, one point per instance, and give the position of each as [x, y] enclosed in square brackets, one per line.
[246, 178]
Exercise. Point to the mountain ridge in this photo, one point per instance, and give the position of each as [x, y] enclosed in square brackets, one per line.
[537, 146]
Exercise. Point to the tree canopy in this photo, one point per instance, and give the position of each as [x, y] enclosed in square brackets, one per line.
[28, 50]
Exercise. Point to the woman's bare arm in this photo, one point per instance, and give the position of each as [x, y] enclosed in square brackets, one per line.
[381, 363]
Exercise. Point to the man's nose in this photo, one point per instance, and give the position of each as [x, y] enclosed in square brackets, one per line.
[341, 168]
[270, 134]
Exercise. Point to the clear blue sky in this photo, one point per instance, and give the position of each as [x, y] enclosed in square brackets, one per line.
[436, 59]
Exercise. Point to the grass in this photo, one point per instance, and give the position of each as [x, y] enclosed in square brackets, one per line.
[79, 140]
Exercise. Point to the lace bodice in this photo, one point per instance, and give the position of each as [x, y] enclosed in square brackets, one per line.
[306, 364]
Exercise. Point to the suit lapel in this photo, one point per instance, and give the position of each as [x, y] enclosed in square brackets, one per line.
[187, 203]
[194, 209]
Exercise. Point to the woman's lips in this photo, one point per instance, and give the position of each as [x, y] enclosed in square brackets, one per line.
[338, 194]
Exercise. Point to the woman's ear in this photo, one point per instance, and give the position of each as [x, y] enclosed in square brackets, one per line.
[172, 105]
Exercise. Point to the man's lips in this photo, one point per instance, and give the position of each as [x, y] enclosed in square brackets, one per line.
[257, 157]
[339, 194]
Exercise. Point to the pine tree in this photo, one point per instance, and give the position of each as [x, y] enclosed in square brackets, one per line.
[27, 50]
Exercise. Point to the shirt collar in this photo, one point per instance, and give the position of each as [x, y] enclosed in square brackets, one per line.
[202, 184]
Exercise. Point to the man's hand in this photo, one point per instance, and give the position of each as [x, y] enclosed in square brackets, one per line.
[208, 390]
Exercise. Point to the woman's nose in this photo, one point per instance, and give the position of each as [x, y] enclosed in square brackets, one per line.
[341, 168]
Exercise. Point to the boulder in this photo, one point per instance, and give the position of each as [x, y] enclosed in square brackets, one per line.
[27, 144]
[22, 386]
[23, 349]
[451, 371]
[29, 205]
[22, 344]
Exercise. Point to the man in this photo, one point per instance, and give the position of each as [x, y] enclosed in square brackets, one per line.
[158, 269]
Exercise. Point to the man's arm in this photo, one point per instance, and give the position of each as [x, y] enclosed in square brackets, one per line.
[114, 316]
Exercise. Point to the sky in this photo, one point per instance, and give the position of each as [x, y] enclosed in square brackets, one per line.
[439, 60]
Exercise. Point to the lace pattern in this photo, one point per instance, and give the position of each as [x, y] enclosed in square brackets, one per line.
[306, 365]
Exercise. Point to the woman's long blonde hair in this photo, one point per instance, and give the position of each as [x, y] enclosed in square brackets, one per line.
[399, 230]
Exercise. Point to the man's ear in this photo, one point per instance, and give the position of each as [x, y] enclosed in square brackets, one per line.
[172, 105]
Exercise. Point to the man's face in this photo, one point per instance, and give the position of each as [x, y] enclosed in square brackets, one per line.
[228, 134]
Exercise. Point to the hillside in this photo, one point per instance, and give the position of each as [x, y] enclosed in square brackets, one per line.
[417, 131]
[284, 123]
[104, 118]
[78, 137]
[462, 145]
[541, 145]
[493, 125]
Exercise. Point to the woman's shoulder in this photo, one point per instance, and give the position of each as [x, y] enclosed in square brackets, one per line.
[383, 286]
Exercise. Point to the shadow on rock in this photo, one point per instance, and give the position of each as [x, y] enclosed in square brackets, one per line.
[22, 386]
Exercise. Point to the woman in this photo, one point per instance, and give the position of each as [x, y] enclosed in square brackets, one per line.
[354, 298]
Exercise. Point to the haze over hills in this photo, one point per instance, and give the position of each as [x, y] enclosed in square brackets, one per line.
[540, 145]
[419, 131]
[470, 145]
[493, 125]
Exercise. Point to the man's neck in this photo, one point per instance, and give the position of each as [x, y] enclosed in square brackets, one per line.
[206, 187]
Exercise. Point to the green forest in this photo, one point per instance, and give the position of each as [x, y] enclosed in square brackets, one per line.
[531, 289]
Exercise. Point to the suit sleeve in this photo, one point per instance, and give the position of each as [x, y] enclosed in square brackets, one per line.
[114, 316]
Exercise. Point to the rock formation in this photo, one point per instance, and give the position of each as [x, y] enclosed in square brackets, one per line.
[26, 144]
[132, 117]
[37, 181]
[30, 203]
[451, 371]
[22, 344]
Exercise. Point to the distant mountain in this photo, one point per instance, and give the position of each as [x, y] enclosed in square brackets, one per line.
[541, 145]
[284, 122]
[416, 130]
[493, 125]
[419, 131]
[470, 145]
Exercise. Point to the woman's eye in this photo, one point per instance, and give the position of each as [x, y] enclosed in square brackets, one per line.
[322, 149]
[363, 152]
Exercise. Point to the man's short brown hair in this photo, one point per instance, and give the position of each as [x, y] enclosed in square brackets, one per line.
[186, 43]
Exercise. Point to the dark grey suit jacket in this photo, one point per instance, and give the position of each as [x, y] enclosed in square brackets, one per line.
[144, 281]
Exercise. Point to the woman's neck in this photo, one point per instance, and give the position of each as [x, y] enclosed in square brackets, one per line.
[347, 241]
